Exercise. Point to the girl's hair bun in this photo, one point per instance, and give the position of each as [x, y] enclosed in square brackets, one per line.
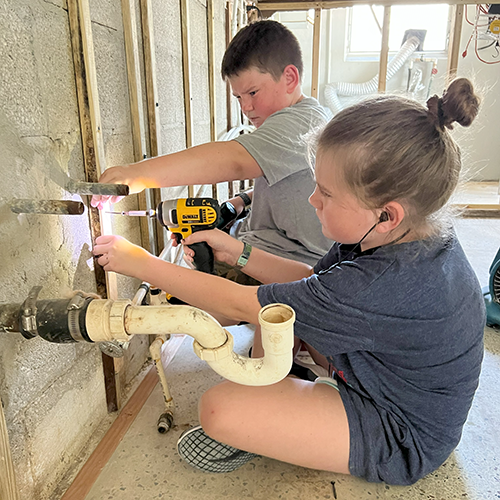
[458, 104]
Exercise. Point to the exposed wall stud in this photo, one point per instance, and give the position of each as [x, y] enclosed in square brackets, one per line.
[384, 50]
[454, 41]
[315, 54]
[147, 225]
[8, 486]
[211, 78]
[186, 63]
[152, 102]
[229, 120]
[93, 153]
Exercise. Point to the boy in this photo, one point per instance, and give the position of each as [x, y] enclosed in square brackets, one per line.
[263, 65]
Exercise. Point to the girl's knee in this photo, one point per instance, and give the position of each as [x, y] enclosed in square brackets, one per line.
[214, 411]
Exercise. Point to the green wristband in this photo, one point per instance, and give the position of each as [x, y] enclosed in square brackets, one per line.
[243, 258]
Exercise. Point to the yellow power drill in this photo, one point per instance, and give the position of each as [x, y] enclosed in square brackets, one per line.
[185, 216]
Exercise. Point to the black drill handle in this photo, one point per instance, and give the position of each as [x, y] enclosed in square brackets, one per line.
[203, 257]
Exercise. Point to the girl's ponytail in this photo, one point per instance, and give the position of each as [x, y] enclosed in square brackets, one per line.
[458, 104]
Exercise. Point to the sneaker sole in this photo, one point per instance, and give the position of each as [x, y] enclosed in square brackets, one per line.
[208, 455]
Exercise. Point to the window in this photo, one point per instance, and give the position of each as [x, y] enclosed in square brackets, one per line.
[365, 28]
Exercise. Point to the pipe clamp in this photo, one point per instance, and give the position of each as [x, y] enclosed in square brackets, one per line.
[28, 319]
[215, 353]
[74, 306]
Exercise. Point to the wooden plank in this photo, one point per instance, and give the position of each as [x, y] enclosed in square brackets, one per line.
[454, 42]
[186, 67]
[150, 74]
[473, 213]
[186, 78]
[8, 486]
[384, 50]
[291, 6]
[478, 206]
[86, 127]
[315, 53]
[93, 154]
[91, 470]
[133, 78]
[229, 120]
[152, 104]
[211, 78]
[134, 92]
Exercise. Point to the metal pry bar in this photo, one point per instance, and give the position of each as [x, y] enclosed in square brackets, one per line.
[96, 188]
[51, 207]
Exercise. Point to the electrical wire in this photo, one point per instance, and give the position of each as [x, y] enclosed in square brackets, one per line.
[480, 9]
[482, 60]
[487, 46]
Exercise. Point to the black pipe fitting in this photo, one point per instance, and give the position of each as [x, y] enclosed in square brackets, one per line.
[60, 321]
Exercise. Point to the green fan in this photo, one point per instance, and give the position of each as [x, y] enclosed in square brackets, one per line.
[492, 294]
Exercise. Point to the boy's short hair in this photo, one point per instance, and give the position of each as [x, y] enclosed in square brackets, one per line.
[267, 45]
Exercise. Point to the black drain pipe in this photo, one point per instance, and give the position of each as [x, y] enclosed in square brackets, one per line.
[60, 321]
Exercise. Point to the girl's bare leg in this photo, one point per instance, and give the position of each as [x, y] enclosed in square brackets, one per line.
[294, 421]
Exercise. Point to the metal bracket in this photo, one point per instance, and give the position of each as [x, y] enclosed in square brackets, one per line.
[114, 348]
[28, 319]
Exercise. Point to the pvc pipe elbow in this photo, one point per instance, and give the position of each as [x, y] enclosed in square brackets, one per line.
[276, 321]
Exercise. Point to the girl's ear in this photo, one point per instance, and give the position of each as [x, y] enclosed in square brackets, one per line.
[395, 214]
[292, 78]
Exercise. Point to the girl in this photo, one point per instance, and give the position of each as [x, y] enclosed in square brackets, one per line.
[393, 311]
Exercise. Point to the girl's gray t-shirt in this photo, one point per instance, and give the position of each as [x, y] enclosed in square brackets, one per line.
[282, 221]
[402, 328]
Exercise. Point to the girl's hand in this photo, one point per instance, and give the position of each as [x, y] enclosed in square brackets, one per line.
[119, 255]
[226, 248]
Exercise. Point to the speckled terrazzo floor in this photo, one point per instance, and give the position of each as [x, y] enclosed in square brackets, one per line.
[145, 465]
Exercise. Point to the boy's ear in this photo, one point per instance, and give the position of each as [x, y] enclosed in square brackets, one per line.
[292, 77]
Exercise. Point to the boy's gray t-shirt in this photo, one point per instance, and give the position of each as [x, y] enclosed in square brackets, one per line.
[402, 328]
[282, 221]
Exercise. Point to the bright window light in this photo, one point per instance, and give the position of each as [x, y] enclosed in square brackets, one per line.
[365, 34]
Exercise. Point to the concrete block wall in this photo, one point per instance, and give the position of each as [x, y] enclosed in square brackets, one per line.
[53, 395]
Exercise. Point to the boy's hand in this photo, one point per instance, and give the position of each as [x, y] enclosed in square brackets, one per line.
[226, 248]
[120, 256]
[128, 175]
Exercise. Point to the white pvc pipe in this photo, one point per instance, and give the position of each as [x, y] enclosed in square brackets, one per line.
[155, 350]
[119, 320]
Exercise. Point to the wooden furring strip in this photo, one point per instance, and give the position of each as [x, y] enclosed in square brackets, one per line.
[315, 54]
[8, 486]
[93, 154]
[211, 78]
[152, 103]
[384, 50]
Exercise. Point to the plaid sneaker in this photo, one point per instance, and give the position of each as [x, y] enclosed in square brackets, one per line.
[206, 454]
